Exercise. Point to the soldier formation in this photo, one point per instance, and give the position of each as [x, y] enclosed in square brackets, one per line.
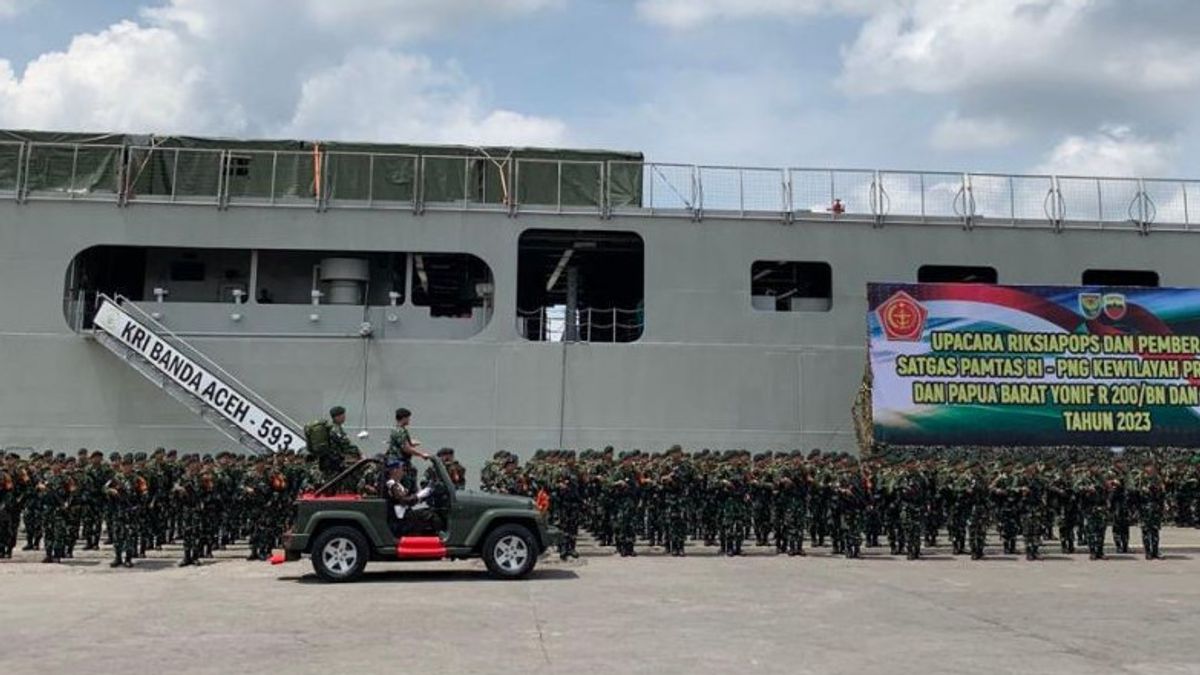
[904, 497]
[138, 502]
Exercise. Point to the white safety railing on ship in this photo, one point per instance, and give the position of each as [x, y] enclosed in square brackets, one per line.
[12, 163]
[325, 179]
[586, 324]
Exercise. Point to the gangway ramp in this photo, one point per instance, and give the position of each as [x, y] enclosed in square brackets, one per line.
[193, 379]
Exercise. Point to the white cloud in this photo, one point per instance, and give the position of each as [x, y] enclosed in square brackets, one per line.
[685, 14]
[936, 46]
[1114, 150]
[1004, 70]
[11, 8]
[416, 101]
[273, 66]
[124, 78]
[351, 21]
[954, 133]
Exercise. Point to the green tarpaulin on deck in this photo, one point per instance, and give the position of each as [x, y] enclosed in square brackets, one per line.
[72, 164]
[188, 168]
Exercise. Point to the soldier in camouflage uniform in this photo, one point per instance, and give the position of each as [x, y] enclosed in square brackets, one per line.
[1151, 504]
[120, 491]
[976, 494]
[1093, 494]
[32, 507]
[674, 483]
[911, 490]
[760, 485]
[1119, 508]
[457, 472]
[735, 503]
[192, 492]
[1007, 502]
[566, 504]
[328, 443]
[625, 487]
[92, 497]
[851, 497]
[53, 502]
[1061, 494]
[1031, 491]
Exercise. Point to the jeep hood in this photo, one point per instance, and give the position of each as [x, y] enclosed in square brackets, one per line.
[494, 501]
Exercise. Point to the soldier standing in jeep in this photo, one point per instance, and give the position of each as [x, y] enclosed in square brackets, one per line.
[402, 448]
[328, 443]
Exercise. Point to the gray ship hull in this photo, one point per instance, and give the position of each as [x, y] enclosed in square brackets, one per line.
[709, 371]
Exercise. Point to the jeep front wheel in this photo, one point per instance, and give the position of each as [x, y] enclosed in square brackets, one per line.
[340, 554]
[510, 552]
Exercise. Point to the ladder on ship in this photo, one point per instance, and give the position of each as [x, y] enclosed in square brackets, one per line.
[187, 375]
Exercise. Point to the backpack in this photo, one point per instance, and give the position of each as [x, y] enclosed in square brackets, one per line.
[316, 437]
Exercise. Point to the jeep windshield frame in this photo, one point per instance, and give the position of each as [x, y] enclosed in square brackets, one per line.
[439, 468]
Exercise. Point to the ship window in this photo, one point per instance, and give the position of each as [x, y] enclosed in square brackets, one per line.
[786, 286]
[956, 274]
[1120, 278]
[197, 274]
[187, 270]
[238, 165]
[450, 284]
[347, 278]
[580, 286]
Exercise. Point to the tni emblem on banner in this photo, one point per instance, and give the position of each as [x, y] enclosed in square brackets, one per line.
[902, 317]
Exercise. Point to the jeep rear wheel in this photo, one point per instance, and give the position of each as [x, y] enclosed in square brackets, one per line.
[510, 552]
[340, 554]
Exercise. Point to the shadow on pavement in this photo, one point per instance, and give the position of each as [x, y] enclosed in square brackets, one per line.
[420, 576]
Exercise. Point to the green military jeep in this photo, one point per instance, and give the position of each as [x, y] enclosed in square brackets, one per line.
[342, 530]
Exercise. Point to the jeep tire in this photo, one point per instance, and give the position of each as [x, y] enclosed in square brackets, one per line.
[510, 552]
[340, 554]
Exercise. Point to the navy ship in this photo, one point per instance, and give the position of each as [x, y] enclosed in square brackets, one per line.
[514, 298]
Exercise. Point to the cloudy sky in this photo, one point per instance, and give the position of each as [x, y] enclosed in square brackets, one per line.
[1072, 86]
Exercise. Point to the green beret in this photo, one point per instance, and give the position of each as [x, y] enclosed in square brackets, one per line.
[337, 410]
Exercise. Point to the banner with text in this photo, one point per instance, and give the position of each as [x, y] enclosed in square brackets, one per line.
[981, 364]
[186, 373]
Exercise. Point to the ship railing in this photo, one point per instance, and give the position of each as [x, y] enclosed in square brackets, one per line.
[587, 324]
[656, 189]
[465, 183]
[175, 175]
[559, 186]
[275, 178]
[196, 356]
[333, 179]
[369, 180]
[12, 161]
[71, 172]
[742, 192]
